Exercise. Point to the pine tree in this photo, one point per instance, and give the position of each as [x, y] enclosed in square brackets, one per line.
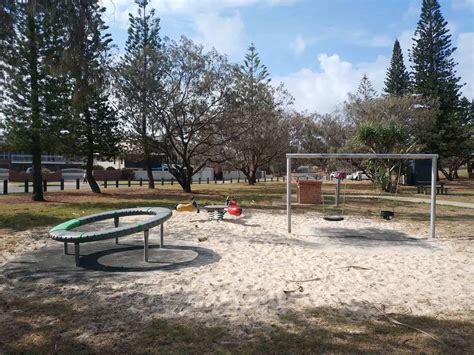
[138, 78]
[397, 82]
[95, 124]
[435, 77]
[35, 89]
[365, 91]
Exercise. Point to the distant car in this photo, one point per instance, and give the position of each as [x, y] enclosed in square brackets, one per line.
[358, 175]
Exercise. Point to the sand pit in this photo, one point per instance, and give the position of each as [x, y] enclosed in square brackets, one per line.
[250, 269]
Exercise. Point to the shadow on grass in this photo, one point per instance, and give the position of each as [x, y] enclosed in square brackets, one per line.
[58, 325]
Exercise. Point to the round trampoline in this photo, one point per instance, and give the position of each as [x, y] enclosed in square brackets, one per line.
[65, 233]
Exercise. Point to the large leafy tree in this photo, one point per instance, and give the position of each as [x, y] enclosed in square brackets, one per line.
[390, 124]
[434, 76]
[397, 82]
[36, 89]
[139, 82]
[191, 108]
[94, 126]
[257, 110]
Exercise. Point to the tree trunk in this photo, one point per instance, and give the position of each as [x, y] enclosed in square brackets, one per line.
[90, 177]
[90, 154]
[149, 168]
[35, 109]
[37, 176]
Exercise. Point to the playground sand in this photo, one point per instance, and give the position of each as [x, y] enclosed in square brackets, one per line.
[261, 272]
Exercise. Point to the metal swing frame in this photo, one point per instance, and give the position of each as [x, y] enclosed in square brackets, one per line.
[434, 169]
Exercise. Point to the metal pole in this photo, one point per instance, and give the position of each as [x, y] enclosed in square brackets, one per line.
[116, 224]
[76, 253]
[161, 236]
[338, 191]
[288, 192]
[434, 170]
[145, 246]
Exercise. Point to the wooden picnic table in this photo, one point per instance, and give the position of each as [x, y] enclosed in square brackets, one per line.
[424, 187]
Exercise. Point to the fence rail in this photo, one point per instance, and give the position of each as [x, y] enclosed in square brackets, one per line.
[26, 185]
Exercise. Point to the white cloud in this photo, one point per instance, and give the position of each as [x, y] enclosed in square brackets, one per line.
[464, 55]
[118, 10]
[463, 4]
[323, 90]
[225, 34]
[298, 45]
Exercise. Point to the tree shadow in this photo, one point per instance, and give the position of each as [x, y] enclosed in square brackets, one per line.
[98, 262]
[43, 323]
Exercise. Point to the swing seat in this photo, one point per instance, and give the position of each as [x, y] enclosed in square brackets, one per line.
[387, 215]
[333, 218]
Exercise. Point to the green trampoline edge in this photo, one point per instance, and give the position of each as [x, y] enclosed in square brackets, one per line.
[72, 223]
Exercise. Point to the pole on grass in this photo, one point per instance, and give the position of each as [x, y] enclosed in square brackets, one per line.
[5, 187]
[26, 185]
[45, 185]
[129, 183]
[141, 181]
[434, 170]
[77, 184]
[105, 183]
[61, 184]
[116, 183]
[162, 181]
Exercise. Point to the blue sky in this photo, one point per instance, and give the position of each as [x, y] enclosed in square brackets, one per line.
[318, 48]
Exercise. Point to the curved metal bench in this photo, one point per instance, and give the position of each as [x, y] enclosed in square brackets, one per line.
[65, 233]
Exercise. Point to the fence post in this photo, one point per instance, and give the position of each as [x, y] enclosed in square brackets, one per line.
[223, 180]
[271, 179]
[105, 183]
[45, 185]
[215, 181]
[307, 178]
[231, 180]
[77, 184]
[171, 181]
[162, 181]
[265, 178]
[26, 185]
[141, 181]
[116, 183]
[283, 178]
[208, 181]
[61, 184]
[238, 179]
[129, 183]
[245, 180]
[199, 181]
[5, 187]
[278, 179]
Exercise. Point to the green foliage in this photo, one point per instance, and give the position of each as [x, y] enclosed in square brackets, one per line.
[260, 131]
[397, 81]
[435, 77]
[95, 124]
[36, 89]
[138, 78]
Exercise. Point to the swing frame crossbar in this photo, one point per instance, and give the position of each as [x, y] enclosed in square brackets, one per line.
[434, 169]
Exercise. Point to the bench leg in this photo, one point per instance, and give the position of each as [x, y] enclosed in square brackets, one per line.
[145, 246]
[76, 253]
[116, 223]
[162, 237]
[65, 248]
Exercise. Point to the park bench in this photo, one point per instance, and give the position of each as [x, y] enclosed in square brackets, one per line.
[65, 233]
[424, 187]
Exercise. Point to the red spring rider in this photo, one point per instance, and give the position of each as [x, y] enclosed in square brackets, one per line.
[232, 207]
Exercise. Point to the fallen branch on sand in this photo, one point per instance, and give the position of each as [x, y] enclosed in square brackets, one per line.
[396, 322]
[298, 281]
[355, 267]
